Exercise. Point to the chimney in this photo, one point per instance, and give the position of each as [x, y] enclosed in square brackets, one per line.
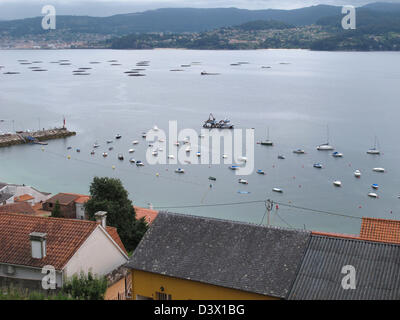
[38, 244]
[101, 218]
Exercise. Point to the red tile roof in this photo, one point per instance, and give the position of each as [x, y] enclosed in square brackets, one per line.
[64, 238]
[381, 230]
[67, 198]
[114, 234]
[148, 214]
[19, 207]
[24, 197]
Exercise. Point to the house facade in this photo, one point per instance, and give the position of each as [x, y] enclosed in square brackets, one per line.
[10, 193]
[71, 205]
[32, 243]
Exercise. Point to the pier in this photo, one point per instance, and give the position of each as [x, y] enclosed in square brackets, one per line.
[36, 137]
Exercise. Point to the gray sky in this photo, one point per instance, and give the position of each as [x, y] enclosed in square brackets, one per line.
[15, 9]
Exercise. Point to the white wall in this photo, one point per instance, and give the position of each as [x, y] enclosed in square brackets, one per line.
[97, 254]
[80, 211]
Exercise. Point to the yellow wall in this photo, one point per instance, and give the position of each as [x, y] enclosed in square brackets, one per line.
[147, 284]
[115, 289]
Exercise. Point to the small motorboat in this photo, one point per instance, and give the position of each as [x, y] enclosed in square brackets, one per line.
[96, 145]
[78, 150]
[160, 149]
[212, 178]
[299, 151]
[155, 153]
[171, 156]
[105, 154]
[198, 154]
[375, 186]
[277, 190]
[243, 159]
[188, 149]
[317, 165]
[180, 170]
[357, 173]
[110, 148]
[259, 171]
[120, 156]
[131, 150]
[337, 183]
[118, 136]
[372, 195]
[177, 144]
[109, 141]
[224, 156]
[337, 154]
[131, 160]
[92, 153]
[144, 135]
[69, 148]
[135, 142]
[378, 169]
[139, 163]
[155, 128]
[281, 157]
[243, 181]
[234, 167]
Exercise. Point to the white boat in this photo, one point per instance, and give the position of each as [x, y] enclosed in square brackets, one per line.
[374, 150]
[96, 145]
[259, 171]
[337, 154]
[135, 142]
[171, 156]
[378, 169]
[299, 151]
[234, 167]
[120, 156]
[374, 186]
[326, 146]
[131, 160]
[357, 173]
[177, 144]
[180, 170]
[337, 183]
[155, 153]
[144, 135]
[118, 136]
[139, 163]
[155, 128]
[243, 181]
[109, 141]
[105, 154]
[161, 140]
[317, 165]
[224, 156]
[188, 149]
[131, 150]
[277, 190]
[267, 142]
[198, 154]
[372, 195]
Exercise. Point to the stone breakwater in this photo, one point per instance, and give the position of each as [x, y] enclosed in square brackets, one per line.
[7, 140]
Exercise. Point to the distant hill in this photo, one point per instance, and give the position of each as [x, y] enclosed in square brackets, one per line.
[169, 20]
[264, 25]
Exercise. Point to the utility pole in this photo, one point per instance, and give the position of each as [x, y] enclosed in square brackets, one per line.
[269, 205]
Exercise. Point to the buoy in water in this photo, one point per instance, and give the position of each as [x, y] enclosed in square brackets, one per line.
[157, 174]
[113, 167]
[68, 157]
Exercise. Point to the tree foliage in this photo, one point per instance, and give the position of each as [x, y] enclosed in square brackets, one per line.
[108, 194]
[85, 287]
[56, 212]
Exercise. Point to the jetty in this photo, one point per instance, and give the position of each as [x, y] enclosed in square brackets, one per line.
[37, 137]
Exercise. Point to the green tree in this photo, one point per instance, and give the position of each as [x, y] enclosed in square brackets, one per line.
[56, 212]
[85, 287]
[108, 194]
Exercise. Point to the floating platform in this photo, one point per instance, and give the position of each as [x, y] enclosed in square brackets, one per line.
[36, 137]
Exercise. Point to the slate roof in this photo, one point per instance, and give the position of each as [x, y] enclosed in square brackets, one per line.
[235, 255]
[380, 230]
[5, 196]
[377, 268]
[64, 238]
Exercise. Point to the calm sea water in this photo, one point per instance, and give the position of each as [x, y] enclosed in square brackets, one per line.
[355, 94]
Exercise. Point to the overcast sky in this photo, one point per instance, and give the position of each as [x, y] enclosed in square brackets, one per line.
[15, 9]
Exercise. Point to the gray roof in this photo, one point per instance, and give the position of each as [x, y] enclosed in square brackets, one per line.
[5, 196]
[236, 255]
[377, 267]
